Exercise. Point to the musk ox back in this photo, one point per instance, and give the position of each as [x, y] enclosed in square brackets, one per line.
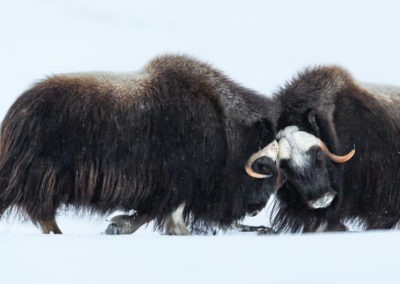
[336, 112]
[170, 139]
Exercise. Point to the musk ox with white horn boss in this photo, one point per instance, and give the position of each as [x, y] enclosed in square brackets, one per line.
[325, 108]
[170, 141]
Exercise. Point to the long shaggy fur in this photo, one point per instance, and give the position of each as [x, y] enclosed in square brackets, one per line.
[176, 132]
[347, 114]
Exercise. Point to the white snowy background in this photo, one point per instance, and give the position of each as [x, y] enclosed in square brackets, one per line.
[260, 44]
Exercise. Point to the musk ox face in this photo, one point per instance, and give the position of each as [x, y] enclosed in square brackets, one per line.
[263, 172]
[306, 163]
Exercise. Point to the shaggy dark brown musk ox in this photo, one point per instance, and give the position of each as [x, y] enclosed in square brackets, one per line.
[170, 142]
[325, 108]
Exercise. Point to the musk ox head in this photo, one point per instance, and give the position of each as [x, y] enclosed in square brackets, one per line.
[261, 166]
[306, 163]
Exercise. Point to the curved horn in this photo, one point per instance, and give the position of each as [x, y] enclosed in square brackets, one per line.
[270, 151]
[336, 158]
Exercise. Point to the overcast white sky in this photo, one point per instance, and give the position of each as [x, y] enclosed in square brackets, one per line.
[258, 43]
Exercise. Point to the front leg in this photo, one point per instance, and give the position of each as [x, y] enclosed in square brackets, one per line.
[260, 230]
[126, 224]
[174, 224]
[328, 226]
[381, 223]
[336, 227]
[311, 227]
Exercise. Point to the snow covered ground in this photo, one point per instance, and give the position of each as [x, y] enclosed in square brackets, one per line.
[260, 44]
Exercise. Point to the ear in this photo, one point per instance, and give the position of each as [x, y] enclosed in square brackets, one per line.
[314, 123]
[323, 126]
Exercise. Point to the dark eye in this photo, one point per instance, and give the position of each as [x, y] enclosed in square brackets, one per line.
[266, 171]
[318, 155]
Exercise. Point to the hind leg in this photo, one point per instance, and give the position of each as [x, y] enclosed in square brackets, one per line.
[2, 210]
[45, 219]
[49, 226]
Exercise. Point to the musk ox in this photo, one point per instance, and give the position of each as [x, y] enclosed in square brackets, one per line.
[170, 141]
[325, 108]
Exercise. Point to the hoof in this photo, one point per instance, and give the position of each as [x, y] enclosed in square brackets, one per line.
[125, 224]
[260, 230]
[114, 229]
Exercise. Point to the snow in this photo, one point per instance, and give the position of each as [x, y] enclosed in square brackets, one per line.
[87, 258]
[260, 44]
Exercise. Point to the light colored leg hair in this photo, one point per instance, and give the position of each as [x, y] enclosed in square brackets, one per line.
[174, 224]
[50, 226]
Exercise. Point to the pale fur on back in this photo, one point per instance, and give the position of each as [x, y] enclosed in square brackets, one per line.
[199, 73]
[381, 91]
